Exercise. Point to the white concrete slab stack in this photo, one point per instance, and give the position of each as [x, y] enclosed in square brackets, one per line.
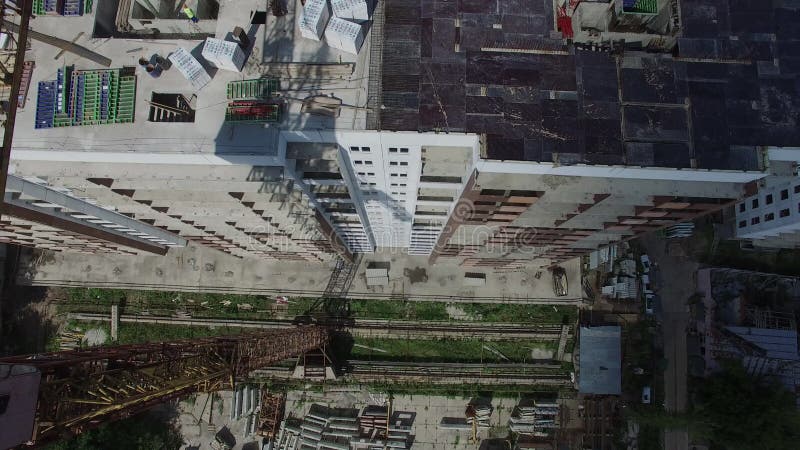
[351, 9]
[224, 55]
[377, 277]
[190, 68]
[345, 35]
[314, 18]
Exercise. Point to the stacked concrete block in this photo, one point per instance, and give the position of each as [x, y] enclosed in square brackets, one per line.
[190, 67]
[344, 35]
[314, 18]
[351, 9]
[224, 55]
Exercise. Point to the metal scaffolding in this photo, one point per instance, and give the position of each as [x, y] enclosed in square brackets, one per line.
[81, 389]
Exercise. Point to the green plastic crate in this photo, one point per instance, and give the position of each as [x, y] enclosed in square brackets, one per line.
[260, 88]
[643, 7]
[38, 7]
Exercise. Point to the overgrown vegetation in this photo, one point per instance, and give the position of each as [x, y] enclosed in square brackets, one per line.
[398, 309]
[141, 432]
[640, 353]
[500, 312]
[736, 411]
[730, 254]
[234, 306]
[136, 333]
[447, 350]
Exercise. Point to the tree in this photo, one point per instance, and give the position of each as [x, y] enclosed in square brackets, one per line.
[144, 431]
[740, 412]
[735, 411]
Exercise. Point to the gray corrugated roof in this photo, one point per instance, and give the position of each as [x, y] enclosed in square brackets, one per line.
[600, 361]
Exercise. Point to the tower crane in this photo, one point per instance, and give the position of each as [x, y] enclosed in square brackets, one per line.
[50, 396]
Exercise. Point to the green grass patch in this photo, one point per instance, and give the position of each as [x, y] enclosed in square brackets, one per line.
[262, 307]
[208, 305]
[398, 309]
[446, 350]
[542, 314]
[138, 333]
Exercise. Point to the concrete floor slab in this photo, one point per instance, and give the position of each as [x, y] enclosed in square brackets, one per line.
[278, 40]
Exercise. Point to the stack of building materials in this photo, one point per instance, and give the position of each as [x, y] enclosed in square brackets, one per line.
[351, 9]
[373, 421]
[86, 97]
[246, 402]
[344, 35]
[603, 258]
[625, 285]
[190, 67]
[322, 428]
[314, 18]
[537, 420]
[332, 429]
[681, 230]
[377, 277]
[224, 55]
[479, 414]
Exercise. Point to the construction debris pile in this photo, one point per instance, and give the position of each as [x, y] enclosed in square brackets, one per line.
[345, 429]
[539, 419]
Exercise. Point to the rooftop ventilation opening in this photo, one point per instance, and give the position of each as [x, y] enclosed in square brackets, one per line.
[170, 108]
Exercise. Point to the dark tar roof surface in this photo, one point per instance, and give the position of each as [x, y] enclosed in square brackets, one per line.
[643, 109]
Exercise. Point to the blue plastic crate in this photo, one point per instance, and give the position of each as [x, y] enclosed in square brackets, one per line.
[104, 103]
[45, 104]
[72, 8]
[80, 93]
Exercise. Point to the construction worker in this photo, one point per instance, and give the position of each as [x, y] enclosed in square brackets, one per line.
[190, 14]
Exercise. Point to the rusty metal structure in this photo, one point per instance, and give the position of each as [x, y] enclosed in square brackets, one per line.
[82, 389]
[271, 413]
[11, 73]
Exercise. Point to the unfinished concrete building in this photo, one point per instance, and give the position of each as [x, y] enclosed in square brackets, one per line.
[771, 217]
[39, 216]
[472, 134]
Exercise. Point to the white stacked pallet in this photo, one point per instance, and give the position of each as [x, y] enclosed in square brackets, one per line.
[345, 35]
[314, 18]
[351, 9]
[224, 55]
[190, 68]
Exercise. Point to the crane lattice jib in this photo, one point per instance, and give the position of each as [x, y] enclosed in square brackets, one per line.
[83, 388]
